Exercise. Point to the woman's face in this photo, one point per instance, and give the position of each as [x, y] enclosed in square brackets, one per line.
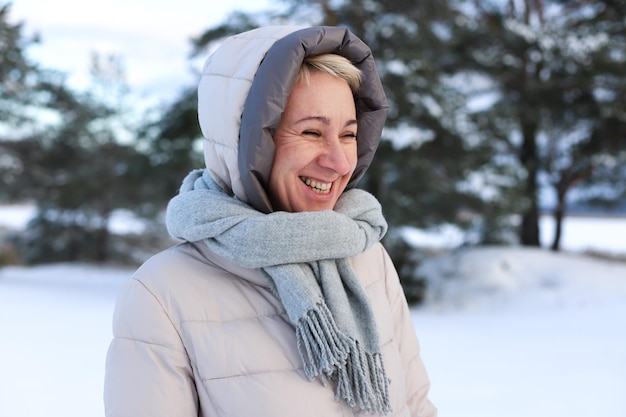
[316, 151]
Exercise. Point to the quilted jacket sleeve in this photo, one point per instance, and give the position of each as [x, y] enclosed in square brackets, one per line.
[416, 378]
[147, 369]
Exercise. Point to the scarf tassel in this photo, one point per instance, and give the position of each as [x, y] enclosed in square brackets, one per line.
[326, 352]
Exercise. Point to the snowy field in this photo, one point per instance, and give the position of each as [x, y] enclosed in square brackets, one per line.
[505, 333]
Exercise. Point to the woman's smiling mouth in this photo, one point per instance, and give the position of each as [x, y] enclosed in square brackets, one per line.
[316, 186]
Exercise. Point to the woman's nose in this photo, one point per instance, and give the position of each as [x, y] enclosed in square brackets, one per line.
[335, 156]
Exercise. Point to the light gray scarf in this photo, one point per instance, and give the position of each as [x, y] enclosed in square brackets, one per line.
[304, 256]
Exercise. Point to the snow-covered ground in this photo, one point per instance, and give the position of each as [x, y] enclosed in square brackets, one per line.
[506, 332]
[55, 325]
[525, 332]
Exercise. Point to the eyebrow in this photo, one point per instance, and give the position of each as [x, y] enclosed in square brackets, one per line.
[325, 120]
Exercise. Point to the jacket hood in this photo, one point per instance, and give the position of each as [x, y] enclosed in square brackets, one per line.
[242, 93]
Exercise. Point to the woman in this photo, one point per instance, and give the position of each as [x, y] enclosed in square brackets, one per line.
[281, 301]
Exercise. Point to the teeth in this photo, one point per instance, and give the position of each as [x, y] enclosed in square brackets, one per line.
[318, 187]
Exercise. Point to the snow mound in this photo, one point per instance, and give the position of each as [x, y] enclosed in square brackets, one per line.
[488, 278]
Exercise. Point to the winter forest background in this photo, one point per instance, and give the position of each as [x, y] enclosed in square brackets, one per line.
[500, 112]
[502, 173]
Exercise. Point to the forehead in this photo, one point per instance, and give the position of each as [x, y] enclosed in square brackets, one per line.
[321, 92]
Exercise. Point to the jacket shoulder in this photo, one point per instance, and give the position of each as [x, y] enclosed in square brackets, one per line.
[193, 284]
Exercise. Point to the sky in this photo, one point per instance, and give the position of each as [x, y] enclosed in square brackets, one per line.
[151, 36]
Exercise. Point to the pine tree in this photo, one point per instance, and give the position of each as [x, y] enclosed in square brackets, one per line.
[70, 153]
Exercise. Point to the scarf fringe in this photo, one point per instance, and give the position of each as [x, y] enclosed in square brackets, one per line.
[326, 352]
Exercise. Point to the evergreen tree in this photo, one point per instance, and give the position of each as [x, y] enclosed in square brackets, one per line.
[77, 172]
[17, 74]
[555, 69]
[69, 153]
[173, 145]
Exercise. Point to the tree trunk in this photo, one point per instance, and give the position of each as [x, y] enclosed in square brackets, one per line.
[102, 242]
[101, 237]
[566, 181]
[559, 213]
[529, 231]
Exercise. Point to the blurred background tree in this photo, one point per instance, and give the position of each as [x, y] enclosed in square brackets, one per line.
[554, 71]
[78, 156]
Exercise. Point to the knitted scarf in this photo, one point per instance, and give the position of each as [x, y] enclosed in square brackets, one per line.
[304, 256]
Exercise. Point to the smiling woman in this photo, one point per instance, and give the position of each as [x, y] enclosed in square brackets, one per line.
[281, 281]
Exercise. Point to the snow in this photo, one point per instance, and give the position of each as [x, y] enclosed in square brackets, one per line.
[505, 332]
[17, 216]
[55, 326]
[519, 332]
[586, 233]
[580, 234]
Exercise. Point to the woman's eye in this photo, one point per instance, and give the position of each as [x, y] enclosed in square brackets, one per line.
[350, 135]
[311, 133]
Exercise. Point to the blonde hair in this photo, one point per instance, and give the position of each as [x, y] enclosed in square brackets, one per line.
[332, 64]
